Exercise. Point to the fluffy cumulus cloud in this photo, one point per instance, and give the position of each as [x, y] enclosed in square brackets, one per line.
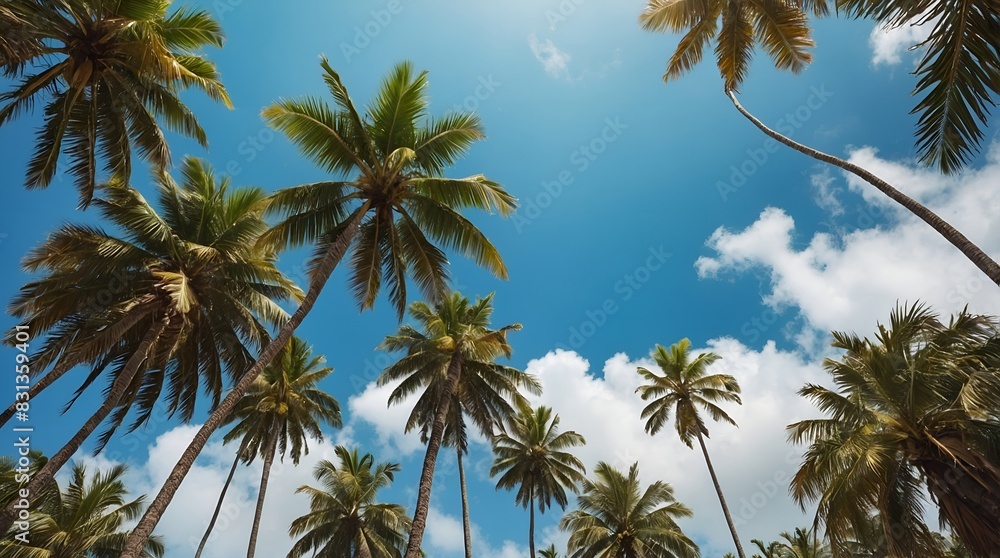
[555, 61]
[889, 43]
[847, 280]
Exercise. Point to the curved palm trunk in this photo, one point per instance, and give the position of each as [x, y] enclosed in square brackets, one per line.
[722, 499]
[983, 261]
[466, 523]
[531, 520]
[142, 531]
[430, 458]
[46, 474]
[264, 476]
[218, 507]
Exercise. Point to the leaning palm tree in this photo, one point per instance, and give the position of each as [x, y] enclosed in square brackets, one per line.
[684, 387]
[391, 212]
[108, 73]
[345, 520]
[914, 409]
[455, 346]
[280, 412]
[177, 300]
[959, 72]
[531, 455]
[618, 518]
[241, 456]
[85, 521]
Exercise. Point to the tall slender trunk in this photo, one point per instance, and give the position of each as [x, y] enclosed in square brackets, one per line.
[722, 499]
[272, 444]
[466, 522]
[981, 260]
[142, 531]
[430, 458]
[43, 477]
[218, 507]
[531, 520]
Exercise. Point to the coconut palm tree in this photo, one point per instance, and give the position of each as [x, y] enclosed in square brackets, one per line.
[618, 518]
[454, 342]
[85, 521]
[531, 455]
[109, 74]
[345, 520]
[549, 552]
[173, 301]
[683, 389]
[391, 212]
[914, 409]
[280, 412]
[802, 543]
[959, 76]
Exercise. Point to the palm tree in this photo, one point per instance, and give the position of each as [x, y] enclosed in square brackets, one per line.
[960, 75]
[85, 521]
[456, 342]
[109, 74]
[549, 552]
[345, 520]
[617, 518]
[171, 302]
[802, 543]
[684, 387]
[280, 412]
[915, 408]
[397, 203]
[531, 455]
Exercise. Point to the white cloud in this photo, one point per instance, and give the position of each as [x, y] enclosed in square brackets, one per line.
[390, 422]
[555, 61]
[888, 44]
[848, 281]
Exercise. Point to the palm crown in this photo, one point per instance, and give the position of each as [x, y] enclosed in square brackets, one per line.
[193, 266]
[110, 73]
[618, 518]
[397, 198]
[917, 404]
[684, 387]
[345, 520]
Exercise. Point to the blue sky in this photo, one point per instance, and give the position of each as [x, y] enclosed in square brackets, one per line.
[650, 212]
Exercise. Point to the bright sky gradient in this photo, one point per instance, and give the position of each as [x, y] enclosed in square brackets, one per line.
[650, 212]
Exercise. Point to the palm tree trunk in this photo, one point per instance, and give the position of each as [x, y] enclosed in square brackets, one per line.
[268, 461]
[531, 520]
[218, 507]
[430, 458]
[142, 531]
[981, 260]
[466, 523]
[118, 388]
[722, 499]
